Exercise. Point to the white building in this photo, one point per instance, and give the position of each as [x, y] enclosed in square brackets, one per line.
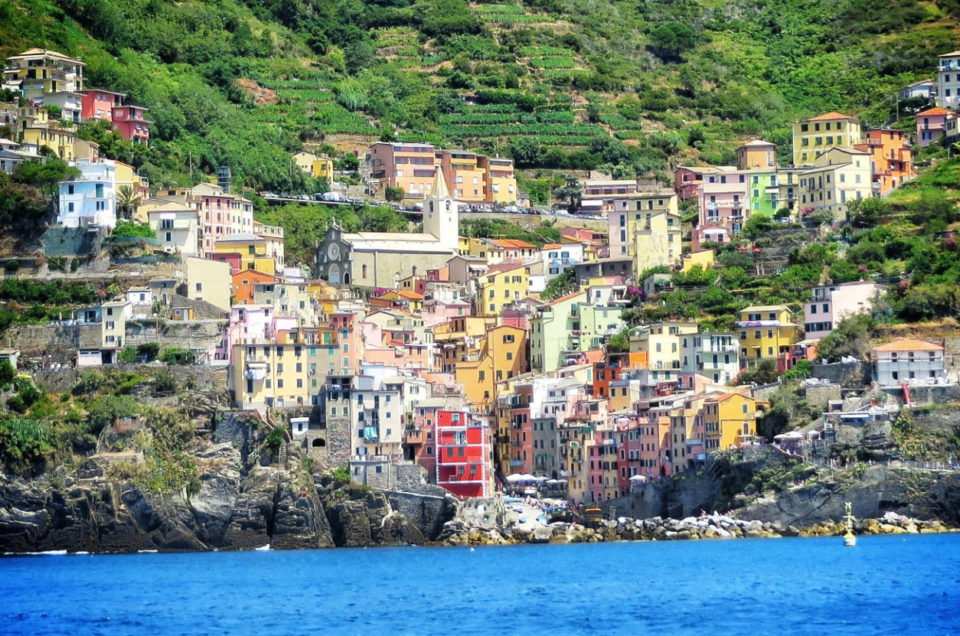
[712, 355]
[948, 80]
[177, 227]
[558, 256]
[838, 177]
[832, 303]
[91, 199]
[13, 154]
[908, 361]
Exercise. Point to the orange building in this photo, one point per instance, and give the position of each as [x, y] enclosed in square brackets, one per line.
[243, 282]
[892, 159]
[409, 166]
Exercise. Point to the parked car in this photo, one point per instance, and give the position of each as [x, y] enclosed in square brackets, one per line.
[333, 197]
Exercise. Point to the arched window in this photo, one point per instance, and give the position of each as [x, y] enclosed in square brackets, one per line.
[319, 442]
[363, 272]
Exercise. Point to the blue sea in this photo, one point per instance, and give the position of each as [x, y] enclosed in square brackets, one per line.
[885, 585]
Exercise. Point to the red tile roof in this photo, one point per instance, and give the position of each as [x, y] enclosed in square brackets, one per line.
[908, 344]
[830, 116]
[936, 111]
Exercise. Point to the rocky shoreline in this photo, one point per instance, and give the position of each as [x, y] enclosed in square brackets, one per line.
[475, 531]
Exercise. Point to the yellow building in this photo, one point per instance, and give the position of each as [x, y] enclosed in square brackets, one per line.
[757, 154]
[35, 128]
[657, 241]
[252, 251]
[646, 226]
[272, 375]
[661, 344]
[466, 178]
[703, 259]
[766, 331]
[502, 284]
[322, 168]
[814, 136]
[729, 420]
[684, 440]
[208, 280]
[304, 161]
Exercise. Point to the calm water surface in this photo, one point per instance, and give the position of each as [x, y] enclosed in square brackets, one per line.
[886, 585]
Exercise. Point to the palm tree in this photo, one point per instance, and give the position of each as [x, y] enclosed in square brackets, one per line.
[127, 201]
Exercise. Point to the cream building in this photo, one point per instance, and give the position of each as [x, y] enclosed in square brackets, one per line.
[838, 176]
[208, 281]
[819, 134]
[382, 259]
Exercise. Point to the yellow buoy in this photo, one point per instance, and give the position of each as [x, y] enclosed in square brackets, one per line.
[849, 539]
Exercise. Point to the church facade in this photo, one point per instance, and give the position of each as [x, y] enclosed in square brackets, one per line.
[382, 259]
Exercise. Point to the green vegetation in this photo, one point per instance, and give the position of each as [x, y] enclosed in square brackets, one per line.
[563, 283]
[555, 84]
[127, 229]
[305, 226]
[541, 234]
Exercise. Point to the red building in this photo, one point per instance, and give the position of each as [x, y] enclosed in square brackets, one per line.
[97, 103]
[462, 452]
[130, 122]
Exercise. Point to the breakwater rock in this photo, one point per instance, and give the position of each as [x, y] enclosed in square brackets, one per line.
[493, 526]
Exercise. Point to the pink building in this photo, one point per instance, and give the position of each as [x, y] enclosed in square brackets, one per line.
[347, 326]
[724, 201]
[224, 214]
[131, 123]
[932, 124]
[96, 103]
[436, 312]
[832, 303]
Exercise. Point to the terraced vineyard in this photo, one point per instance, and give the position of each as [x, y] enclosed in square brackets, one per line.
[630, 87]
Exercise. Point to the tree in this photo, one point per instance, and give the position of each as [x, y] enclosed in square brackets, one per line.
[559, 285]
[671, 40]
[867, 212]
[127, 201]
[850, 338]
[393, 193]
[569, 191]
[45, 176]
[526, 152]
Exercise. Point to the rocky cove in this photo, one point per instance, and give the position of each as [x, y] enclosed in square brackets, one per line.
[242, 505]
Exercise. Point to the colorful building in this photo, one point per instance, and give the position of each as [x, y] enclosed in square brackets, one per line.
[503, 284]
[648, 214]
[728, 421]
[503, 355]
[47, 78]
[131, 122]
[829, 304]
[251, 249]
[932, 125]
[948, 80]
[463, 454]
[838, 177]
[892, 160]
[815, 136]
[766, 331]
[97, 103]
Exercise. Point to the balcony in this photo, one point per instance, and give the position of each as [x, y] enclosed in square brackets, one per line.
[414, 436]
[256, 371]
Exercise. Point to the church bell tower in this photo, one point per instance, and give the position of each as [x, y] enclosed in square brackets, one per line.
[441, 215]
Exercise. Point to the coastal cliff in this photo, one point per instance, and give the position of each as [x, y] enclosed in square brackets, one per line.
[235, 509]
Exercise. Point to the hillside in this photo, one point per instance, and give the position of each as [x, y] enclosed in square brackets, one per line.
[631, 85]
